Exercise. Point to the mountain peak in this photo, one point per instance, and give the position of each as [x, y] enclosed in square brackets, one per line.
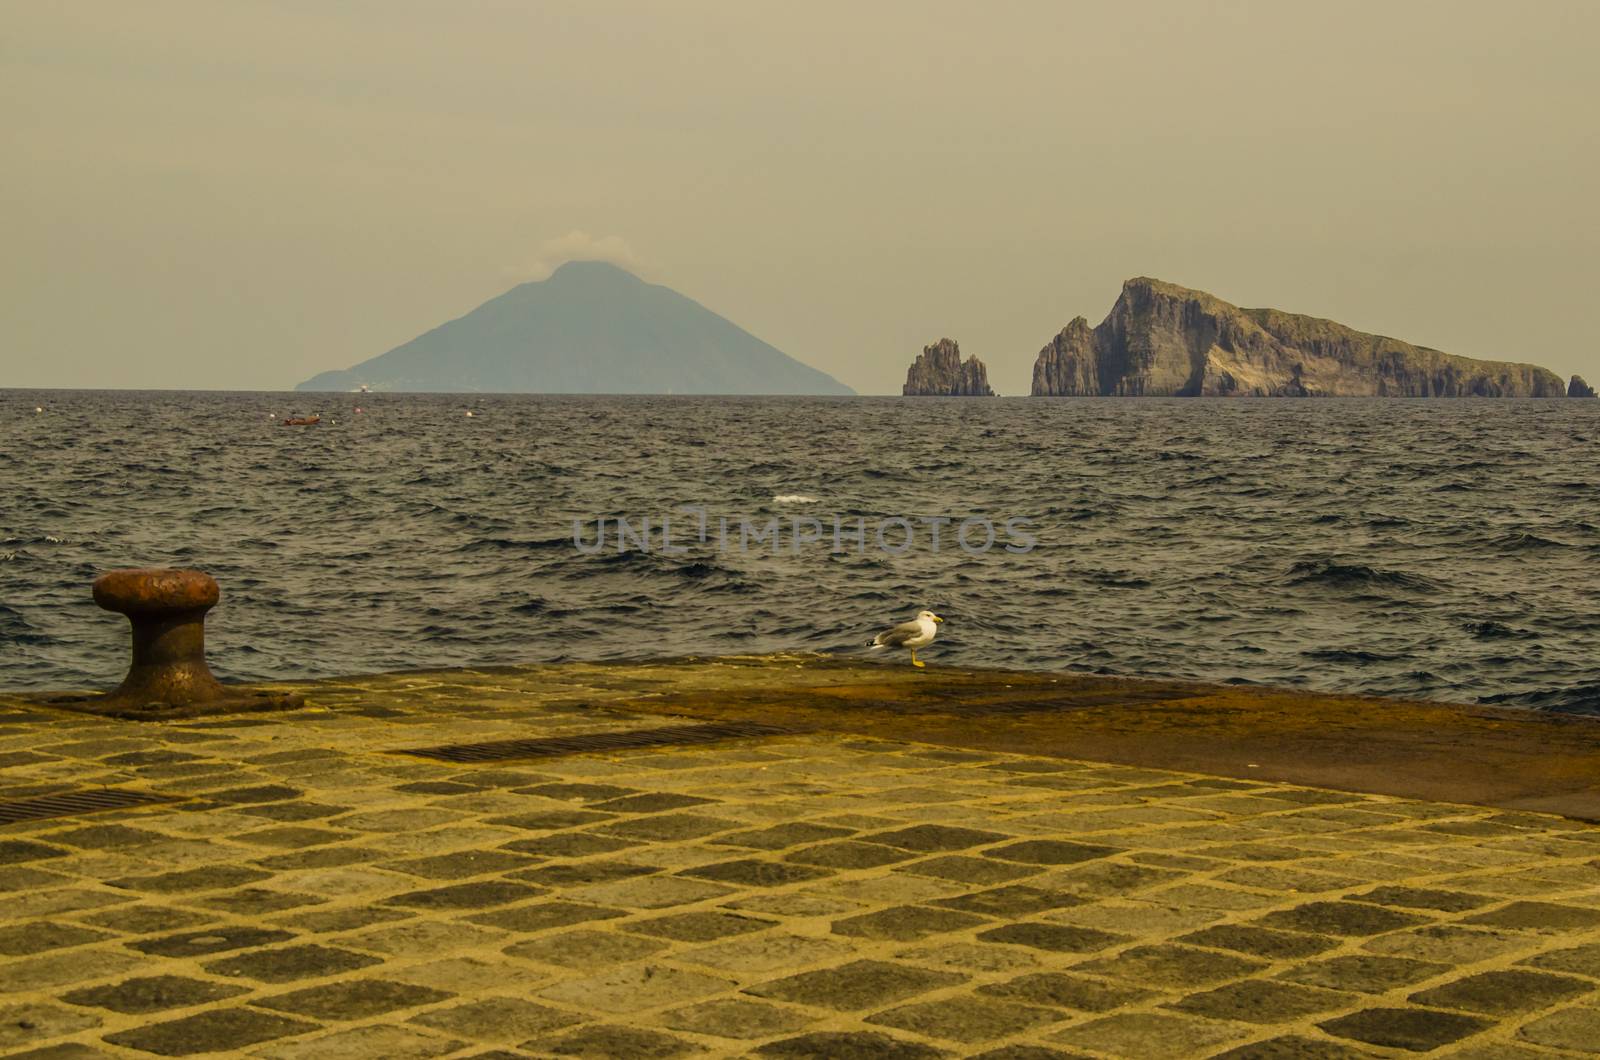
[591, 327]
[588, 268]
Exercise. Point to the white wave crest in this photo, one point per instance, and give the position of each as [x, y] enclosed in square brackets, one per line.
[794, 498]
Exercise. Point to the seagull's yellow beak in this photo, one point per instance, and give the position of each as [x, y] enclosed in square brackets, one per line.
[936, 618]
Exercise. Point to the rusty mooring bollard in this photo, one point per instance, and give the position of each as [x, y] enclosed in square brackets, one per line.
[167, 609]
[169, 676]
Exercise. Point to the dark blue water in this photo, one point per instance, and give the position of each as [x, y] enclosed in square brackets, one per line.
[1441, 549]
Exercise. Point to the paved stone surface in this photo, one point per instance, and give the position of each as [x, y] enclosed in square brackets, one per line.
[815, 895]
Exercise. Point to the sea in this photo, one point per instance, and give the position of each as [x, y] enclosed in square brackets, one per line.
[1436, 549]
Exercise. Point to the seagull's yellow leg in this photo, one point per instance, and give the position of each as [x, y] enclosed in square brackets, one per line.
[914, 660]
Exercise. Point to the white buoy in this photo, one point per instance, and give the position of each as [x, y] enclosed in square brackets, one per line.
[38, 408]
[469, 413]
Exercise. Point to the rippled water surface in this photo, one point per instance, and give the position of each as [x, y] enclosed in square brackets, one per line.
[1442, 549]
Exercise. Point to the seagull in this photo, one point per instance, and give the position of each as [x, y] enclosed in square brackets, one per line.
[918, 633]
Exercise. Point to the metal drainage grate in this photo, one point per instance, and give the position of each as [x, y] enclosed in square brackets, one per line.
[672, 736]
[72, 803]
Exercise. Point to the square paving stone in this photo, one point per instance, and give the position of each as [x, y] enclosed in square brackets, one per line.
[1172, 966]
[633, 987]
[291, 963]
[1447, 943]
[1294, 1047]
[652, 802]
[906, 923]
[428, 938]
[669, 827]
[497, 1019]
[1106, 879]
[849, 1045]
[569, 845]
[353, 999]
[751, 872]
[767, 952]
[211, 877]
[147, 919]
[23, 878]
[542, 916]
[1148, 1036]
[934, 838]
[1585, 960]
[569, 873]
[1366, 973]
[1503, 993]
[611, 1042]
[736, 1018]
[108, 837]
[848, 854]
[857, 985]
[152, 994]
[585, 949]
[1539, 916]
[1010, 902]
[1574, 1028]
[460, 865]
[218, 1030]
[437, 787]
[213, 940]
[319, 858]
[19, 940]
[1051, 852]
[26, 1023]
[1416, 1029]
[1259, 942]
[577, 791]
[14, 851]
[551, 820]
[649, 892]
[292, 838]
[965, 869]
[253, 901]
[1422, 898]
[1258, 1001]
[1067, 991]
[970, 957]
[372, 1042]
[699, 927]
[782, 836]
[328, 921]
[1343, 918]
[1057, 937]
[966, 1019]
[470, 976]
[293, 811]
[467, 895]
[258, 793]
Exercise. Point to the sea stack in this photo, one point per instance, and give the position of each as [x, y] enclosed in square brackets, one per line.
[1578, 388]
[1162, 340]
[939, 372]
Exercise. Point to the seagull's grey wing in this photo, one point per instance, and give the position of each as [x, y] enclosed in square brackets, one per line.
[894, 638]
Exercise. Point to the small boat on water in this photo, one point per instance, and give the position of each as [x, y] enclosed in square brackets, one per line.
[302, 421]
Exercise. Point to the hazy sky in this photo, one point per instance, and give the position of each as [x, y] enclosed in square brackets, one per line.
[225, 194]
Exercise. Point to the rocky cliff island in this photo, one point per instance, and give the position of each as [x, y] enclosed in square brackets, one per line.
[939, 371]
[1578, 388]
[1162, 340]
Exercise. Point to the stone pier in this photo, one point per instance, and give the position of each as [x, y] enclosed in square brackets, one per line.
[859, 861]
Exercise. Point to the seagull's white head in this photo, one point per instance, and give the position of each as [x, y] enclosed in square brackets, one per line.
[928, 616]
